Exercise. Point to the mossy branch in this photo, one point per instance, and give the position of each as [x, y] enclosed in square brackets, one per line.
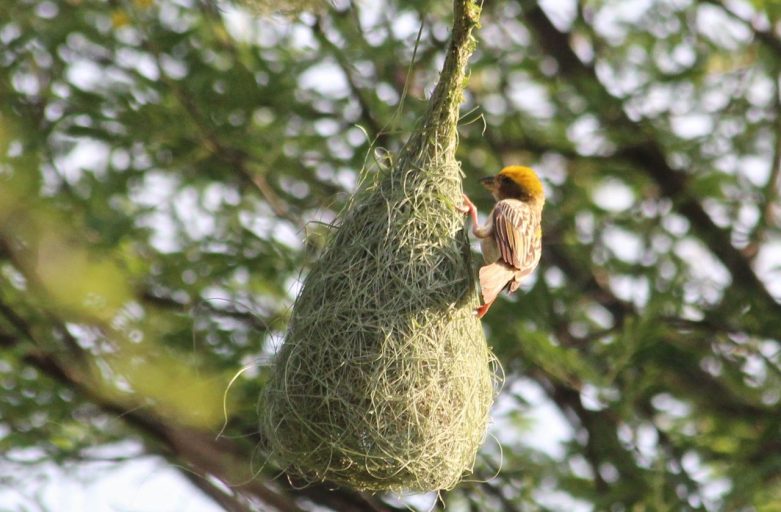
[441, 120]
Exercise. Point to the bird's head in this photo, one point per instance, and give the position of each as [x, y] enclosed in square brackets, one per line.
[516, 182]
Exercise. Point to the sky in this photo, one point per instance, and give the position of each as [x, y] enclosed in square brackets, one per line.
[150, 484]
[143, 484]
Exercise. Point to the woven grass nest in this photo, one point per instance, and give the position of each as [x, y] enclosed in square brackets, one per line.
[385, 381]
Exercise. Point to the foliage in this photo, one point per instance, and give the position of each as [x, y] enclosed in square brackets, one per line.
[166, 169]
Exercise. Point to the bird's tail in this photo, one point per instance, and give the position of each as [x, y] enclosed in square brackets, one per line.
[493, 279]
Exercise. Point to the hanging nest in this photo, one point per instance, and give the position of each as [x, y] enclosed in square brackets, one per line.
[385, 380]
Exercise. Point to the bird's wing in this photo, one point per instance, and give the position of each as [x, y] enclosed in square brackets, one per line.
[516, 230]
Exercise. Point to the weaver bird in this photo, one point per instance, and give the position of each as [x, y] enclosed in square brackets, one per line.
[511, 239]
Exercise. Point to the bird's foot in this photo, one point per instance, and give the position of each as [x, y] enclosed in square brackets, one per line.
[482, 310]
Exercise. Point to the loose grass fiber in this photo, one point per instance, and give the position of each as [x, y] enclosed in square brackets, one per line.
[385, 381]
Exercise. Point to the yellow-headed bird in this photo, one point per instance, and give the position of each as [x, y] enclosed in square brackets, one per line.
[511, 239]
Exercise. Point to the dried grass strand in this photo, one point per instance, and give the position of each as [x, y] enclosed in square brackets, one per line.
[385, 380]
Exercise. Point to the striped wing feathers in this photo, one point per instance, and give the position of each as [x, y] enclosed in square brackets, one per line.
[517, 234]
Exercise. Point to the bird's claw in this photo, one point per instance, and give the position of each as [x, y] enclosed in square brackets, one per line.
[468, 208]
[468, 205]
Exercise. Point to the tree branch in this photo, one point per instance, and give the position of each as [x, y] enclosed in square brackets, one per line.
[228, 502]
[647, 155]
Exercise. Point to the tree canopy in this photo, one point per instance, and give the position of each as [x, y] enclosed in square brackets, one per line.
[170, 168]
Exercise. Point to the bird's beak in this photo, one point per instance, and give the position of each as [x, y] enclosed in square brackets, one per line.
[489, 182]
